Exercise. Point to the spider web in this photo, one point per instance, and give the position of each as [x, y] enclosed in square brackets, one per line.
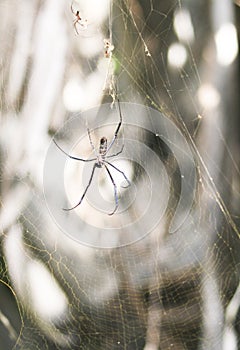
[163, 271]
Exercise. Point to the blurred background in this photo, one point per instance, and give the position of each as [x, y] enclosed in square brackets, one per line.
[168, 290]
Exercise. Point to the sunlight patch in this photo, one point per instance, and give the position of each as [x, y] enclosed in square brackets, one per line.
[177, 55]
[73, 95]
[229, 339]
[208, 96]
[47, 297]
[226, 44]
[183, 25]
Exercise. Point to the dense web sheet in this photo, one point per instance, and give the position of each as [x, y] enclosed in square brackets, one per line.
[163, 271]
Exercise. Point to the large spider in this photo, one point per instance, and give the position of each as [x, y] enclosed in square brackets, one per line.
[101, 161]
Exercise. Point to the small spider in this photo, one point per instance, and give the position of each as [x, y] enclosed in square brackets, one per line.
[101, 162]
[79, 20]
[108, 47]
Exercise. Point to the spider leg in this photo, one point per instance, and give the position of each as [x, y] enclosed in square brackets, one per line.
[90, 140]
[120, 171]
[75, 26]
[118, 127]
[115, 190]
[76, 158]
[72, 9]
[84, 193]
[116, 154]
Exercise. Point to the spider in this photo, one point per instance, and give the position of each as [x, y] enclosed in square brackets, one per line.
[78, 20]
[101, 162]
[108, 48]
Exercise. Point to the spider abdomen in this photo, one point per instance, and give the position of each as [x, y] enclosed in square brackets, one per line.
[103, 146]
